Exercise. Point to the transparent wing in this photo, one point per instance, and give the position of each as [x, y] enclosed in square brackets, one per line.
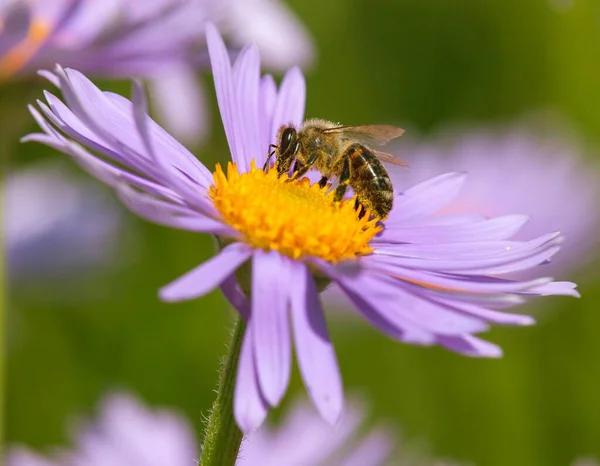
[378, 135]
[390, 158]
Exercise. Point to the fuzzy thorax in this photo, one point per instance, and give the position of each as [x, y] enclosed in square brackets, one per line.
[297, 218]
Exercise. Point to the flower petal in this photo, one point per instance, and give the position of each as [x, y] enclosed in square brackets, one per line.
[249, 406]
[169, 214]
[495, 229]
[234, 294]
[208, 275]
[246, 86]
[405, 308]
[291, 100]
[426, 198]
[270, 324]
[519, 257]
[222, 76]
[470, 346]
[281, 39]
[316, 356]
[179, 99]
[267, 101]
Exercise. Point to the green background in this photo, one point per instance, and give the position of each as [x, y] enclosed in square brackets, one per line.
[426, 63]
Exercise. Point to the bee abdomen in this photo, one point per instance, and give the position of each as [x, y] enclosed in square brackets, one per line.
[370, 180]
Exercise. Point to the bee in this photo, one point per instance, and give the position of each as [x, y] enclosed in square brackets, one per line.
[341, 151]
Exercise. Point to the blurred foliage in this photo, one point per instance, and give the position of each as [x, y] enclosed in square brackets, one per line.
[418, 63]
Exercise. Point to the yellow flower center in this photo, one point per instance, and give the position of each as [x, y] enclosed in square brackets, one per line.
[296, 218]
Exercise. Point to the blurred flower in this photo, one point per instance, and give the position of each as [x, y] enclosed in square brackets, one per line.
[304, 439]
[56, 226]
[519, 171]
[421, 278]
[125, 434]
[162, 40]
[283, 42]
[587, 461]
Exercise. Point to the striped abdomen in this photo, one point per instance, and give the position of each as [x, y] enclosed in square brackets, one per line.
[370, 180]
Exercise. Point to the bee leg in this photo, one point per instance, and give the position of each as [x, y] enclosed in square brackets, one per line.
[344, 180]
[268, 161]
[359, 208]
[323, 182]
[304, 167]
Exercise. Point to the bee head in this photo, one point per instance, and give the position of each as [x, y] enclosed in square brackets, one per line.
[288, 141]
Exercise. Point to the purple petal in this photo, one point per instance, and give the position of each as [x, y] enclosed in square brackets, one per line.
[249, 406]
[499, 228]
[62, 116]
[470, 346]
[179, 99]
[316, 356]
[405, 308]
[290, 101]
[208, 275]
[373, 450]
[520, 257]
[235, 295]
[425, 199]
[488, 315]
[113, 119]
[450, 282]
[397, 329]
[247, 83]
[169, 214]
[222, 76]
[271, 332]
[21, 456]
[280, 37]
[555, 288]
[181, 178]
[268, 100]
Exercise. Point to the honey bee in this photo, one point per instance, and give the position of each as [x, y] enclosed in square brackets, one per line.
[341, 151]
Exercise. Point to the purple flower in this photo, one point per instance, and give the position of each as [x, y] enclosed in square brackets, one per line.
[517, 170]
[421, 278]
[127, 433]
[304, 439]
[55, 226]
[128, 38]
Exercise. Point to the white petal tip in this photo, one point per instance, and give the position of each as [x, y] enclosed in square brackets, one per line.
[331, 410]
[167, 296]
[248, 423]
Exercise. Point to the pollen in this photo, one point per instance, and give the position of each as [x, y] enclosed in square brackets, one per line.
[296, 218]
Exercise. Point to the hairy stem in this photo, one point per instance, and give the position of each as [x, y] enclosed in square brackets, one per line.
[223, 436]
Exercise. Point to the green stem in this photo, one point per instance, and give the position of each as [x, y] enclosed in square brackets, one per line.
[223, 436]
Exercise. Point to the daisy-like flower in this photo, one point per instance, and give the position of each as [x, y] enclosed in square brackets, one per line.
[419, 277]
[518, 170]
[128, 38]
[128, 433]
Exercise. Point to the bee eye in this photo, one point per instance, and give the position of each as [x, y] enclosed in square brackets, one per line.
[287, 138]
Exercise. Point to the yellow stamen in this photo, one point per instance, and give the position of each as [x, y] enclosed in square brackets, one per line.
[296, 218]
[20, 54]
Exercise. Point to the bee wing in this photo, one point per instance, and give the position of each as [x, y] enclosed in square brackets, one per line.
[368, 134]
[390, 158]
